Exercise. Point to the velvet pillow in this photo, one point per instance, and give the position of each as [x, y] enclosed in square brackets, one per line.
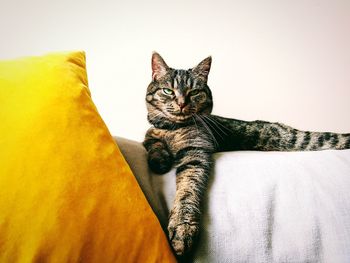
[67, 194]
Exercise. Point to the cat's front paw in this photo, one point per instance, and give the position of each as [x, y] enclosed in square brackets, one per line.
[182, 236]
[160, 161]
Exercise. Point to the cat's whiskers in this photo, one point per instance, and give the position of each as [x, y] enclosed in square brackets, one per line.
[156, 115]
[207, 128]
[194, 119]
[214, 123]
[219, 123]
[212, 126]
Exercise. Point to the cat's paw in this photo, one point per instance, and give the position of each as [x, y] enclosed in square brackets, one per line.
[160, 161]
[182, 236]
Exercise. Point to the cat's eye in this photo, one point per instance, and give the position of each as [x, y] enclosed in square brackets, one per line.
[194, 92]
[167, 91]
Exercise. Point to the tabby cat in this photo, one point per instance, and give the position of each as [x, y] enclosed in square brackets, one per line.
[184, 134]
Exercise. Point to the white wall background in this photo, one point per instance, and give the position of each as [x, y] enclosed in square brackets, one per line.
[286, 61]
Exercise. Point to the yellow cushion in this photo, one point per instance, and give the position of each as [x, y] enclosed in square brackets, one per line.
[67, 194]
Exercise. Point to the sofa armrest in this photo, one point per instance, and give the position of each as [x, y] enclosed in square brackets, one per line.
[264, 206]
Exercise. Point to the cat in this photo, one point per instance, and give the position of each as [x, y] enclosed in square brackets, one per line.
[184, 134]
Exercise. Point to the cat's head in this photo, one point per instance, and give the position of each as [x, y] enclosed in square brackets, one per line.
[175, 97]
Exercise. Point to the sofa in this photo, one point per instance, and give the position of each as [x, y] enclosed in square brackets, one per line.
[263, 206]
[70, 192]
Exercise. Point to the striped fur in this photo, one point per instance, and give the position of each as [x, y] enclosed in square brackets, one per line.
[184, 134]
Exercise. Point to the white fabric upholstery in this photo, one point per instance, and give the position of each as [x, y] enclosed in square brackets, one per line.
[269, 206]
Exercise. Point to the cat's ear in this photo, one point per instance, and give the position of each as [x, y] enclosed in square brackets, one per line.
[202, 69]
[159, 67]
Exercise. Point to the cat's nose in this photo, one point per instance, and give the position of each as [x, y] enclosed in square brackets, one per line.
[181, 105]
[181, 102]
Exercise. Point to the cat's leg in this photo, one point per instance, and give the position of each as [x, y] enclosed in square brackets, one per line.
[160, 159]
[272, 136]
[193, 169]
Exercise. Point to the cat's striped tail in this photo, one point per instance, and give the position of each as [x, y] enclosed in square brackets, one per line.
[277, 136]
[312, 141]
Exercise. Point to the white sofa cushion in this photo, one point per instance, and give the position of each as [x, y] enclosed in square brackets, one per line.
[266, 206]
